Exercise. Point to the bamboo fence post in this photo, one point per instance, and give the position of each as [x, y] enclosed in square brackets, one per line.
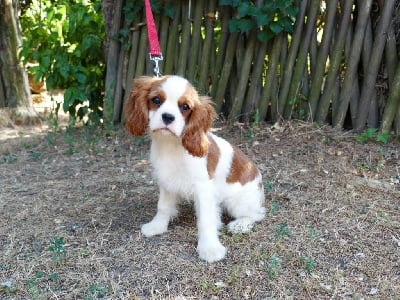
[250, 100]
[226, 71]
[243, 78]
[393, 103]
[397, 119]
[239, 52]
[313, 50]
[173, 41]
[225, 12]
[301, 60]
[266, 95]
[373, 117]
[335, 62]
[132, 59]
[355, 55]
[186, 40]
[374, 64]
[323, 52]
[288, 69]
[196, 39]
[142, 54]
[118, 88]
[391, 54]
[355, 91]
[391, 64]
[206, 53]
[112, 65]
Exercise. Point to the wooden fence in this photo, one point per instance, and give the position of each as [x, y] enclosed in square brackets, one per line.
[339, 66]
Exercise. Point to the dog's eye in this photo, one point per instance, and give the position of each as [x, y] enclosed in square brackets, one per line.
[156, 101]
[185, 107]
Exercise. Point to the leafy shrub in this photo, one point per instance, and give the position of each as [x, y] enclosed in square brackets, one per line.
[66, 38]
[372, 133]
[274, 17]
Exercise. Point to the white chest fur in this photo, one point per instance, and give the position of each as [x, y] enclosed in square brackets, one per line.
[174, 168]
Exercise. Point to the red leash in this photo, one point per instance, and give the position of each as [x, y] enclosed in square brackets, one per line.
[154, 46]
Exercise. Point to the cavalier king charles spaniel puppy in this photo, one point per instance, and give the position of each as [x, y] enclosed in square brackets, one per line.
[192, 163]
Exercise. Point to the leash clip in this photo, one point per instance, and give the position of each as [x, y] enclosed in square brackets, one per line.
[156, 59]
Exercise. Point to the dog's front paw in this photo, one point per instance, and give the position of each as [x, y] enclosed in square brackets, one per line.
[153, 228]
[241, 225]
[211, 252]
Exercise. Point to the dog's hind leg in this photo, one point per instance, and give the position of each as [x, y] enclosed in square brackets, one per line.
[246, 208]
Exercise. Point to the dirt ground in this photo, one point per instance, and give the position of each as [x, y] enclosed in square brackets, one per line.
[72, 203]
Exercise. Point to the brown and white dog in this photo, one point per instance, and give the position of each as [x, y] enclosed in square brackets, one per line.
[192, 163]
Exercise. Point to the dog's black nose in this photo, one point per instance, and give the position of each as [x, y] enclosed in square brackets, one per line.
[167, 118]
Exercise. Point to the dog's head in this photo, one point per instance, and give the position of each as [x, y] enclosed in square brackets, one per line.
[170, 106]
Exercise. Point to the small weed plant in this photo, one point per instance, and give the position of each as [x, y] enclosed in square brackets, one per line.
[58, 250]
[308, 263]
[96, 291]
[40, 282]
[8, 158]
[274, 206]
[282, 231]
[373, 134]
[274, 266]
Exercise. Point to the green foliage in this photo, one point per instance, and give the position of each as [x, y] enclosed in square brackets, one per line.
[373, 134]
[39, 282]
[97, 291]
[8, 158]
[274, 206]
[274, 17]
[66, 39]
[308, 263]
[269, 185]
[58, 250]
[33, 284]
[282, 230]
[274, 266]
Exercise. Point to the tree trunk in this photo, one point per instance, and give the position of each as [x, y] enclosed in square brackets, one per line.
[112, 65]
[13, 77]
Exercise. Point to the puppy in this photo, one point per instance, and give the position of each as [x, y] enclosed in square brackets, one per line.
[192, 163]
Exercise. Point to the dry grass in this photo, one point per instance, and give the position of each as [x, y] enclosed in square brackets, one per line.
[72, 204]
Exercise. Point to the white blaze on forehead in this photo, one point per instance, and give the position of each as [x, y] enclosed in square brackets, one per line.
[174, 87]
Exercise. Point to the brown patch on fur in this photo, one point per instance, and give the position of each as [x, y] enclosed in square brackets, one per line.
[194, 137]
[213, 156]
[243, 170]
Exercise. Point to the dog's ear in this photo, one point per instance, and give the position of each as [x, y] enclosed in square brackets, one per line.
[136, 108]
[194, 137]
